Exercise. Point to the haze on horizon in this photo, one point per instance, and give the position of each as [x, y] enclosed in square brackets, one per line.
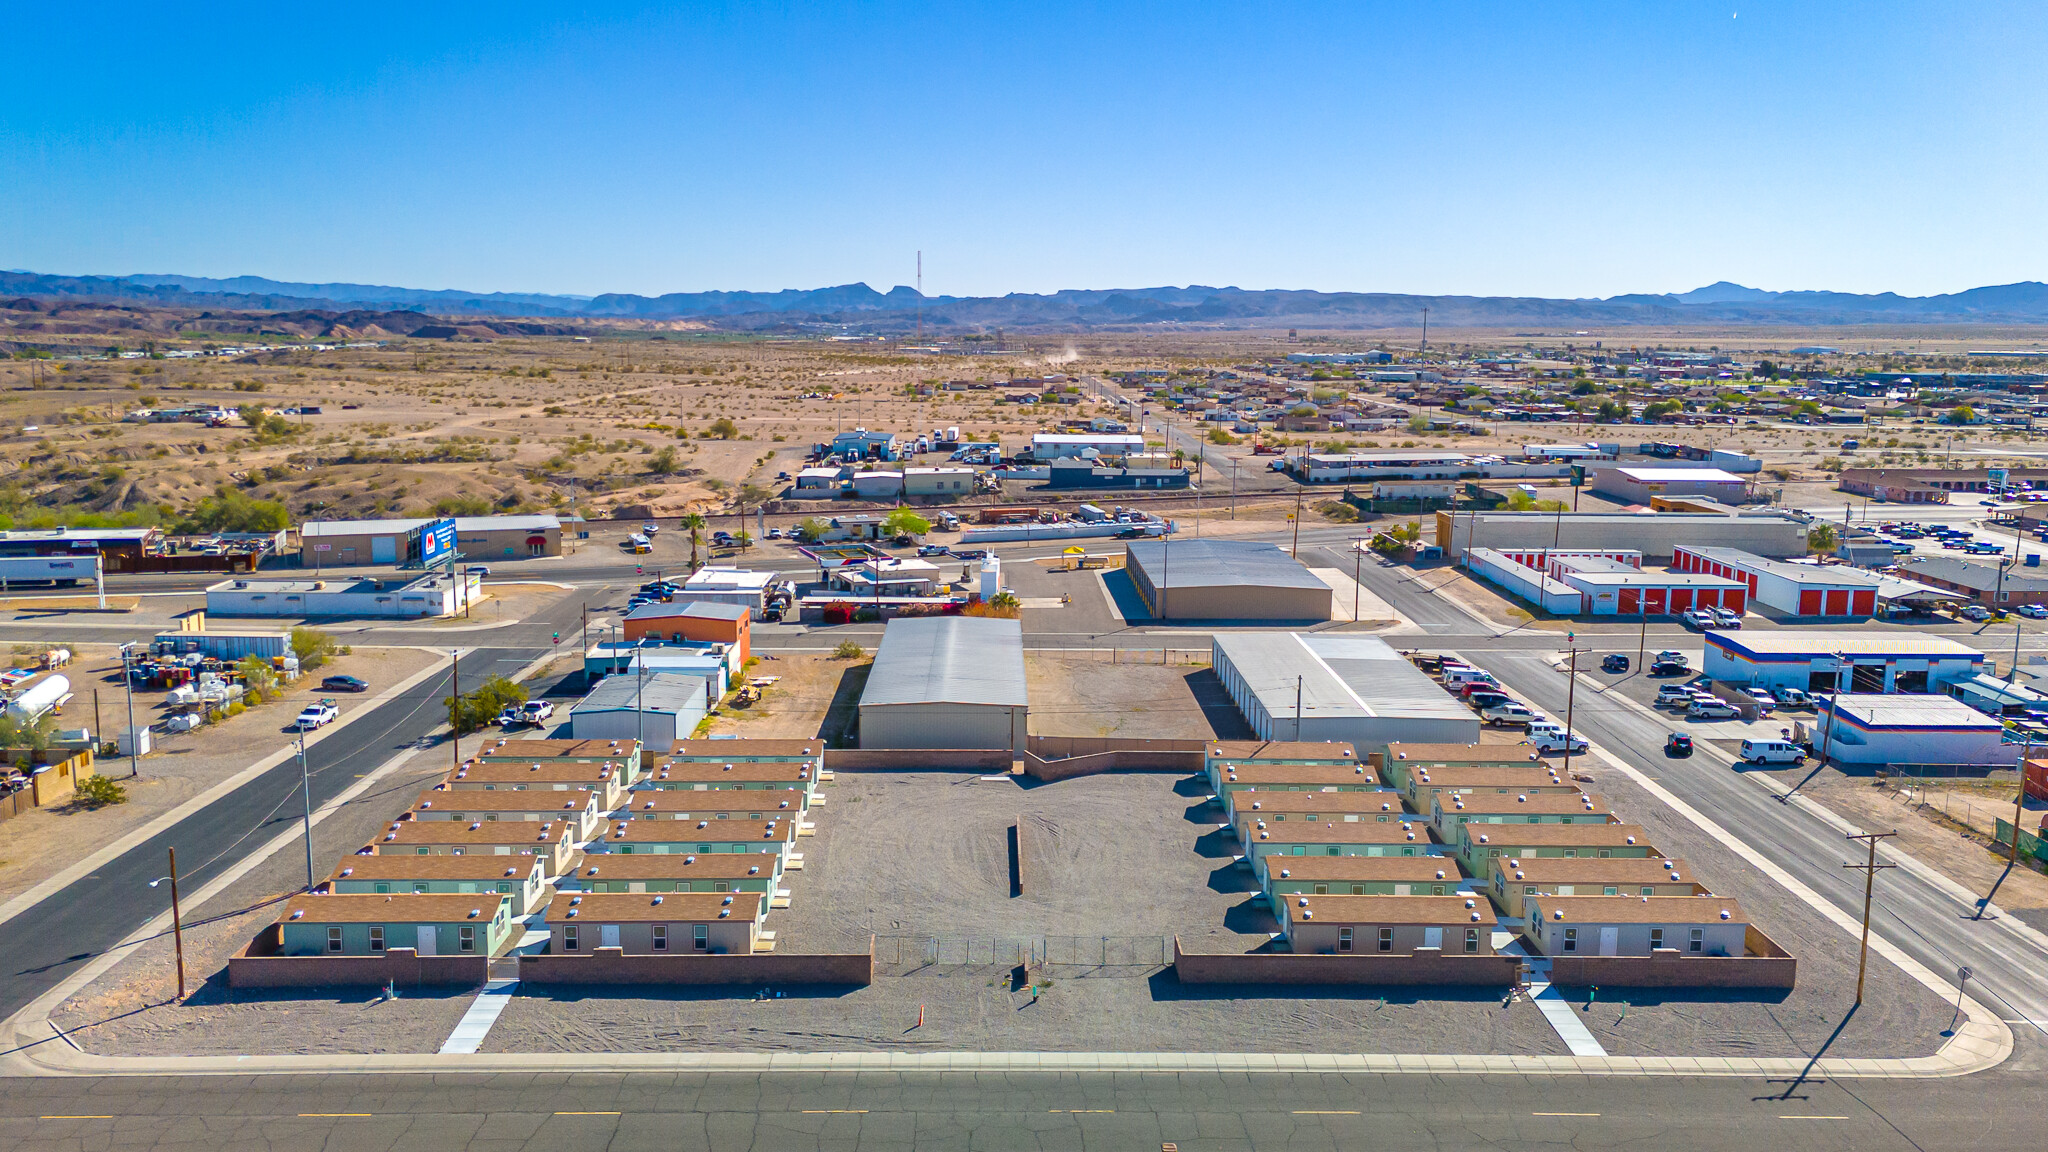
[1486, 150]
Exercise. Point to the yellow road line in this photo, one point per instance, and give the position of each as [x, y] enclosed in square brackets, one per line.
[586, 1113]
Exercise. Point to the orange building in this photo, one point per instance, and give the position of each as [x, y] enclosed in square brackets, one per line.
[698, 621]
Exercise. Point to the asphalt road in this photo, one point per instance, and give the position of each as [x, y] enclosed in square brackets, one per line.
[868, 1112]
[46, 942]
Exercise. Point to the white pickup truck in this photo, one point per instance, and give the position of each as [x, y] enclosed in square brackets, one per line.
[1510, 715]
[1550, 736]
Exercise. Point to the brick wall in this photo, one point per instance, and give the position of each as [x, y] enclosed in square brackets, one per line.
[1059, 747]
[258, 965]
[989, 760]
[1766, 966]
[1420, 967]
[611, 966]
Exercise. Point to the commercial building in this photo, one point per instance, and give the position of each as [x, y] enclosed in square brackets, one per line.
[437, 593]
[1224, 580]
[946, 682]
[695, 620]
[367, 925]
[1637, 484]
[1612, 588]
[1979, 582]
[520, 879]
[1336, 686]
[1513, 881]
[877, 484]
[332, 543]
[1069, 472]
[1895, 730]
[656, 925]
[1056, 445]
[1332, 468]
[1814, 590]
[1636, 925]
[1856, 661]
[742, 586]
[944, 481]
[655, 709]
[1656, 535]
[1388, 925]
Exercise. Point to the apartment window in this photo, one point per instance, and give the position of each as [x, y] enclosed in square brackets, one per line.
[1604, 853]
[1407, 851]
[1358, 889]
[701, 848]
[455, 852]
[376, 937]
[569, 938]
[1656, 937]
[661, 937]
[465, 938]
[1500, 883]
[721, 886]
[1571, 939]
[701, 937]
[1471, 939]
[1343, 939]
[1436, 889]
[334, 939]
[1528, 889]
[1536, 820]
[1648, 891]
[419, 887]
[1571, 853]
[1386, 939]
[505, 886]
[420, 851]
[1493, 853]
[1698, 942]
[1610, 890]
[382, 887]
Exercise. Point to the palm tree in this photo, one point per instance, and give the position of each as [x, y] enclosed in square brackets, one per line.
[694, 523]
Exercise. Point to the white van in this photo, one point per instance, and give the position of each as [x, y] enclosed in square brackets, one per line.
[1771, 752]
[1459, 677]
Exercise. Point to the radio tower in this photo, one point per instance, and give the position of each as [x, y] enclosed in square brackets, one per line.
[920, 296]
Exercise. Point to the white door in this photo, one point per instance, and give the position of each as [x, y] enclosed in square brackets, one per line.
[608, 936]
[427, 936]
[1608, 940]
[1432, 937]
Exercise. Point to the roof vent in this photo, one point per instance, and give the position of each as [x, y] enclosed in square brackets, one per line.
[647, 806]
[1557, 913]
[1304, 902]
[754, 871]
[1285, 873]
[657, 899]
[1483, 838]
[689, 859]
[1262, 835]
[703, 823]
[511, 871]
[348, 871]
[724, 912]
[1358, 771]
[298, 912]
[1439, 873]
[728, 767]
[426, 803]
[592, 872]
[1386, 807]
[475, 825]
[1724, 913]
[572, 914]
[1468, 903]
[574, 900]
[1255, 805]
[1308, 914]
[727, 900]
[1475, 916]
[475, 912]
[1631, 839]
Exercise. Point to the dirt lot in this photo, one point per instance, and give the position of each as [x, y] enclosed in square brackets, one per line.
[816, 696]
[1087, 695]
[38, 844]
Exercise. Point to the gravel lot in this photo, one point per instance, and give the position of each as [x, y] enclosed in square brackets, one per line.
[1086, 695]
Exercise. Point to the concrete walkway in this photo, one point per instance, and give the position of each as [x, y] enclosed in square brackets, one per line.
[1569, 1027]
[483, 1012]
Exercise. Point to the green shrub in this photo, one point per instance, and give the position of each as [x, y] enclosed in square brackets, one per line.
[98, 792]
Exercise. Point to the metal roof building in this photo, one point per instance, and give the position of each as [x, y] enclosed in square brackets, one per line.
[1790, 588]
[1336, 686]
[1224, 580]
[1876, 660]
[946, 682]
[656, 708]
[1899, 730]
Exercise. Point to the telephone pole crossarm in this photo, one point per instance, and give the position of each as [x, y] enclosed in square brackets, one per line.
[1869, 869]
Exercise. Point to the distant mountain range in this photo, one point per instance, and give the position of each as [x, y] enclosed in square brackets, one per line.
[1127, 308]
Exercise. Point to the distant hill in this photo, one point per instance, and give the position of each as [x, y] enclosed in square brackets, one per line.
[1122, 308]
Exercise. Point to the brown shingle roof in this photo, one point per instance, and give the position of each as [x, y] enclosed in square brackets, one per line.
[1520, 803]
[516, 832]
[1314, 775]
[1371, 804]
[1640, 909]
[790, 772]
[502, 800]
[1289, 749]
[1426, 869]
[674, 866]
[1463, 753]
[376, 908]
[516, 772]
[1594, 870]
[1414, 831]
[801, 749]
[765, 833]
[503, 750]
[1430, 911]
[670, 802]
[1486, 776]
[1508, 837]
[435, 867]
[628, 907]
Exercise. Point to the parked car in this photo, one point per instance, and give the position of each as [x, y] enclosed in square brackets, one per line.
[1791, 698]
[1680, 694]
[1678, 744]
[1510, 714]
[314, 715]
[1699, 618]
[931, 550]
[1614, 662]
[478, 570]
[775, 533]
[650, 528]
[1976, 612]
[1984, 548]
[1765, 701]
[1771, 752]
[1712, 710]
[1488, 698]
[537, 711]
[511, 716]
[2032, 611]
[1550, 736]
[1669, 666]
[344, 684]
[1727, 618]
[1468, 687]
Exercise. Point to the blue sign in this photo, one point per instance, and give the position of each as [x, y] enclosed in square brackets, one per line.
[437, 542]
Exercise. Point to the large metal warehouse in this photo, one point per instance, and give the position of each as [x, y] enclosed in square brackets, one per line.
[946, 682]
[1336, 686]
[1877, 660]
[1791, 589]
[1224, 580]
[1910, 730]
[1657, 535]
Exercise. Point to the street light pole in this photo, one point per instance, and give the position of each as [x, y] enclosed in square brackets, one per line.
[177, 920]
[1570, 696]
[128, 685]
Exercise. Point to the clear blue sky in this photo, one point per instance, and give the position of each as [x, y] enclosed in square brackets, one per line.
[1486, 148]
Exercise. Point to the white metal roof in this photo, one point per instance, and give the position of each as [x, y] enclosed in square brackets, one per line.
[1340, 675]
[534, 523]
[1666, 475]
[948, 660]
[1848, 642]
[1912, 711]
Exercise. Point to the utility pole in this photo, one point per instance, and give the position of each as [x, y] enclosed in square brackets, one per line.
[1425, 334]
[1233, 487]
[1869, 870]
[1570, 695]
[1295, 548]
[920, 296]
[128, 686]
[177, 920]
[585, 633]
[455, 709]
[2019, 807]
[306, 794]
[1297, 709]
[1357, 559]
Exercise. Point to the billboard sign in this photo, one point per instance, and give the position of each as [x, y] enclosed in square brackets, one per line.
[437, 542]
[1997, 476]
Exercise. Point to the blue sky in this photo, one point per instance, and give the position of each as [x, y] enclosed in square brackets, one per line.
[1512, 148]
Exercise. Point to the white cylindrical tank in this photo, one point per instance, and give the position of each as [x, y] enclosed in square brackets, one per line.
[991, 578]
[40, 698]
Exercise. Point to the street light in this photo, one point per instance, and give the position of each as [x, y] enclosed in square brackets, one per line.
[177, 921]
[128, 685]
[306, 794]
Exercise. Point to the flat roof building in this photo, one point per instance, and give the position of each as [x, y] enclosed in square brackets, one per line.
[946, 682]
[1788, 588]
[1336, 686]
[1863, 661]
[1224, 580]
[695, 620]
[1637, 484]
[1388, 925]
[1979, 582]
[1514, 880]
[331, 543]
[1656, 535]
[653, 708]
[1910, 730]
[435, 593]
